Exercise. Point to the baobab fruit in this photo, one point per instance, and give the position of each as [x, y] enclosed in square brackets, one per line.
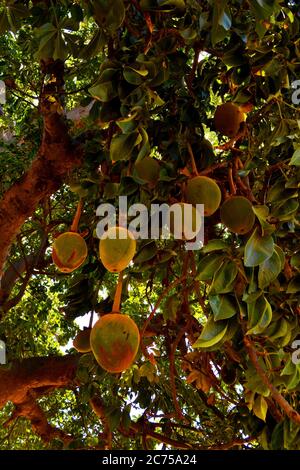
[204, 190]
[190, 219]
[116, 249]
[228, 118]
[82, 341]
[148, 169]
[69, 251]
[115, 340]
[237, 214]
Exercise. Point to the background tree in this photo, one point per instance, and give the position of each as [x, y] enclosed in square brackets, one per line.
[93, 87]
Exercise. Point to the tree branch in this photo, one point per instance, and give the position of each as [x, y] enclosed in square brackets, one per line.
[56, 156]
[34, 413]
[280, 400]
[18, 381]
[23, 382]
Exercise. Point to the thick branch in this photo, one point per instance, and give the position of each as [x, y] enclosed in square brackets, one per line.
[25, 381]
[280, 400]
[31, 375]
[16, 271]
[34, 413]
[55, 158]
[138, 427]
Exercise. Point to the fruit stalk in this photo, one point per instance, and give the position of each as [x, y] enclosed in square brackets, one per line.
[74, 226]
[194, 166]
[118, 294]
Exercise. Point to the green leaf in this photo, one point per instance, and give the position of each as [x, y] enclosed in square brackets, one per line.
[253, 380]
[162, 5]
[189, 34]
[111, 190]
[208, 266]
[259, 315]
[174, 3]
[262, 213]
[145, 149]
[260, 407]
[278, 193]
[105, 91]
[109, 14]
[286, 210]
[214, 245]
[146, 253]
[289, 368]
[295, 261]
[234, 57]
[225, 20]
[294, 285]
[212, 334]
[263, 9]
[94, 46]
[277, 437]
[170, 309]
[295, 160]
[258, 248]
[280, 331]
[133, 76]
[290, 434]
[113, 416]
[220, 18]
[60, 49]
[222, 306]
[270, 268]
[4, 23]
[122, 145]
[224, 278]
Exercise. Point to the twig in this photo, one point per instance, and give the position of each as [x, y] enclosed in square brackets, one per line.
[74, 226]
[191, 75]
[212, 168]
[231, 182]
[280, 400]
[118, 294]
[161, 297]
[173, 371]
[194, 166]
[229, 445]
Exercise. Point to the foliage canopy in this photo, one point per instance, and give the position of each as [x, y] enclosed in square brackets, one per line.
[92, 88]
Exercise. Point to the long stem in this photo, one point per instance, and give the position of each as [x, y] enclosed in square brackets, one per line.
[118, 294]
[159, 300]
[74, 226]
[231, 182]
[280, 400]
[194, 166]
[91, 319]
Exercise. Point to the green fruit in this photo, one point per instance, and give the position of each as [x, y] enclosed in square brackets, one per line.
[204, 190]
[116, 252]
[228, 118]
[190, 221]
[115, 340]
[69, 251]
[82, 341]
[237, 214]
[148, 169]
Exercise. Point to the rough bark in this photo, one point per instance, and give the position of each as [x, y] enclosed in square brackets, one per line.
[56, 157]
[23, 382]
